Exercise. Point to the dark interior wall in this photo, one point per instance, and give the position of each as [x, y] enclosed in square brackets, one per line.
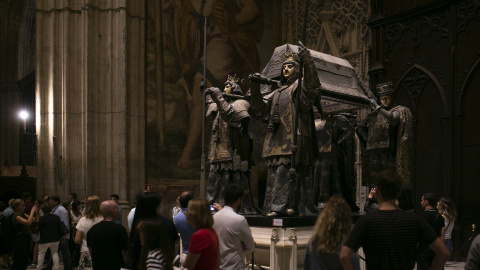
[430, 51]
[10, 18]
[17, 56]
[467, 110]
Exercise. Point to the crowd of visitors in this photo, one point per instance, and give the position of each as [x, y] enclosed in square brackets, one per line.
[196, 238]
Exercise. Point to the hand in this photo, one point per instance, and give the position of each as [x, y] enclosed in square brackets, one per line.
[301, 49]
[256, 78]
[214, 92]
[34, 210]
[373, 104]
[217, 207]
[372, 192]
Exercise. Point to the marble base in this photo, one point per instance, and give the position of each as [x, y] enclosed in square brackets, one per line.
[278, 244]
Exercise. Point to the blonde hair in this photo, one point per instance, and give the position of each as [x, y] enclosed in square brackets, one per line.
[14, 203]
[446, 208]
[92, 207]
[199, 209]
[332, 227]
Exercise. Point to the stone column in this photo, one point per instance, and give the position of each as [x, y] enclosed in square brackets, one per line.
[90, 92]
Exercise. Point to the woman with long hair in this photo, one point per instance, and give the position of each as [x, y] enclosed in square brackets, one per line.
[148, 207]
[446, 208]
[330, 232]
[203, 251]
[91, 217]
[156, 252]
[21, 244]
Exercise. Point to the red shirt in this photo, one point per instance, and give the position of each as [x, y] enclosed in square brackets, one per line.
[205, 243]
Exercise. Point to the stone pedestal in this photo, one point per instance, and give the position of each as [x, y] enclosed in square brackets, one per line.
[281, 248]
[280, 242]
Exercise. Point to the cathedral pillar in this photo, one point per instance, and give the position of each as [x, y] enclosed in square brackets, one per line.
[90, 92]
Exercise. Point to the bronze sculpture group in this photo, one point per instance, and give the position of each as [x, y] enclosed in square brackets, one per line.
[308, 158]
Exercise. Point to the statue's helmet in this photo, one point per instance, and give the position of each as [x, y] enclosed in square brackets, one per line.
[385, 89]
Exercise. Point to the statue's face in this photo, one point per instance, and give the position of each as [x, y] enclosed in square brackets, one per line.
[228, 89]
[288, 70]
[386, 101]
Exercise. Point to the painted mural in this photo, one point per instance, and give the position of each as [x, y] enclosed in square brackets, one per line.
[239, 42]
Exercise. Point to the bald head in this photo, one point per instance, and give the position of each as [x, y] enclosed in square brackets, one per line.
[109, 210]
[184, 198]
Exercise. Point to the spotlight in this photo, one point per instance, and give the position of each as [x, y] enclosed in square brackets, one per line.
[23, 114]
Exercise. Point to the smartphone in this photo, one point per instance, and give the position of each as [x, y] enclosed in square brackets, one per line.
[211, 208]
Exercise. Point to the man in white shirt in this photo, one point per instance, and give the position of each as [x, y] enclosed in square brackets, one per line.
[234, 235]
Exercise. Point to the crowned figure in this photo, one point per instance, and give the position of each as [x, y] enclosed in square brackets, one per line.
[286, 195]
[230, 152]
[387, 136]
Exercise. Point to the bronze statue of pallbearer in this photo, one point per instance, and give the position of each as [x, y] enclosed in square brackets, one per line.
[289, 148]
[334, 169]
[230, 145]
[387, 136]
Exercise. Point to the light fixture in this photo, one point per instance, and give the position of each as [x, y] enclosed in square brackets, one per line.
[24, 115]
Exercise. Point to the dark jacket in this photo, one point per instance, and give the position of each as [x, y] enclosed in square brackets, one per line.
[50, 228]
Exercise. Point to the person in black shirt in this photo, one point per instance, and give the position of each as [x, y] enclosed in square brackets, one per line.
[50, 229]
[108, 242]
[171, 232]
[424, 254]
[389, 236]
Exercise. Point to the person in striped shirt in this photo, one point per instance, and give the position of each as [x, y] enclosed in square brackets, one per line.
[156, 249]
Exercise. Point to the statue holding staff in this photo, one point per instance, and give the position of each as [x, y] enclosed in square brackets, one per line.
[387, 136]
[285, 193]
[230, 152]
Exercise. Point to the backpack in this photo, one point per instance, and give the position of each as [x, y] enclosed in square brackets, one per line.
[7, 229]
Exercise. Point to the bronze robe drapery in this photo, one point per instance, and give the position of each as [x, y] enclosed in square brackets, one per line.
[388, 146]
[277, 147]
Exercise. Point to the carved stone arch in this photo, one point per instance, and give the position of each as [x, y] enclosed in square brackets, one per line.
[415, 86]
[423, 92]
[466, 84]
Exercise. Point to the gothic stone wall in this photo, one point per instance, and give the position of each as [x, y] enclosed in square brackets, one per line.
[430, 50]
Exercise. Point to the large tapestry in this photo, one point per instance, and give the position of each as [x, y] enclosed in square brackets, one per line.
[239, 41]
